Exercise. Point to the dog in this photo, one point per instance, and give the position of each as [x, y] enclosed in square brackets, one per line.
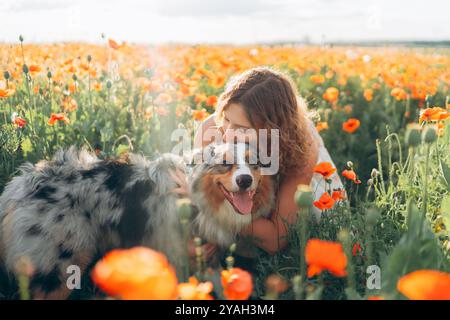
[77, 207]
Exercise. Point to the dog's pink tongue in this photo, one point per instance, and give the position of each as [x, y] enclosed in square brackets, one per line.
[243, 202]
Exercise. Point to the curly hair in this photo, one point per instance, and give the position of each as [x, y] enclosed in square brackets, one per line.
[270, 101]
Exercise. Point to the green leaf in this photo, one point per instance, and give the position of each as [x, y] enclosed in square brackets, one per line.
[445, 212]
[446, 172]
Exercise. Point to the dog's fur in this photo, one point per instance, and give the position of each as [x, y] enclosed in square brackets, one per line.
[71, 209]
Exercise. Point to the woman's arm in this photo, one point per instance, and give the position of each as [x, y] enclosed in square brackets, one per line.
[270, 233]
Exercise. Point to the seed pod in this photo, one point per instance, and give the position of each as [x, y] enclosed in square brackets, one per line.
[6, 75]
[429, 135]
[184, 209]
[25, 69]
[412, 136]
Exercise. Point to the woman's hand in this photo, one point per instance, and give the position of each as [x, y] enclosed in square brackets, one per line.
[180, 179]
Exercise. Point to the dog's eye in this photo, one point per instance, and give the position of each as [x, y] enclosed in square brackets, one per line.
[227, 165]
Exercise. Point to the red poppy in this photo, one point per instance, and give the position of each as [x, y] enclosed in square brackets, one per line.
[326, 169]
[325, 202]
[325, 255]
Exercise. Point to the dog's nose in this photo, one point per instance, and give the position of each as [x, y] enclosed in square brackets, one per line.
[244, 181]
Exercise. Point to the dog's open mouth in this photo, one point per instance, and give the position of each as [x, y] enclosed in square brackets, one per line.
[242, 201]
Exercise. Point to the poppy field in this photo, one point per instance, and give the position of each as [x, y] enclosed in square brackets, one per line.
[383, 114]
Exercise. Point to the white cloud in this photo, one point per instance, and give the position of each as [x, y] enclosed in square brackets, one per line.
[227, 21]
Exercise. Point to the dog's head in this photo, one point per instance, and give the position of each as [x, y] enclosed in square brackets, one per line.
[228, 186]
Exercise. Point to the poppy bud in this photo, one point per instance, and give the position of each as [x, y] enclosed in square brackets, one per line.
[233, 248]
[230, 262]
[350, 164]
[49, 75]
[109, 84]
[21, 38]
[412, 136]
[74, 77]
[343, 236]
[89, 58]
[303, 196]
[6, 75]
[370, 182]
[429, 135]
[184, 209]
[25, 69]
[374, 173]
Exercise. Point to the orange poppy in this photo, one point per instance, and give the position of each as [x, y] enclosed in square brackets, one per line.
[326, 169]
[70, 104]
[237, 284]
[425, 285]
[338, 195]
[325, 202]
[58, 117]
[113, 44]
[211, 101]
[193, 290]
[351, 175]
[200, 115]
[34, 68]
[399, 94]
[97, 86]
[331, 94]
[6, 93]
[368, 94]
[325, 255]
[200, 97]
[433, 114]
[351, 125]
[321, 126]
[20, 122]
[136, 274]
[317, 78]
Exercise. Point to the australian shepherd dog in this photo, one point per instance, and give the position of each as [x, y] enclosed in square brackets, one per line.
[76, 207]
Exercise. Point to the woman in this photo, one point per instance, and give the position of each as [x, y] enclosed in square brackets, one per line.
[262, 98]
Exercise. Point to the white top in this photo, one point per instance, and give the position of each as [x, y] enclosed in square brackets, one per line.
[318, 185]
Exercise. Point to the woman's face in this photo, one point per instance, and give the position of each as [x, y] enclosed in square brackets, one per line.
[235, 122]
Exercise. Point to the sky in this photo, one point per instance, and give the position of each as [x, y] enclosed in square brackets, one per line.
[224, 21]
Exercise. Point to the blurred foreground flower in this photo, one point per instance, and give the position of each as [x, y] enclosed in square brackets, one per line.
[237, 284]
[136, 274]
[194, 290]
[325, 255]
[425, 285]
